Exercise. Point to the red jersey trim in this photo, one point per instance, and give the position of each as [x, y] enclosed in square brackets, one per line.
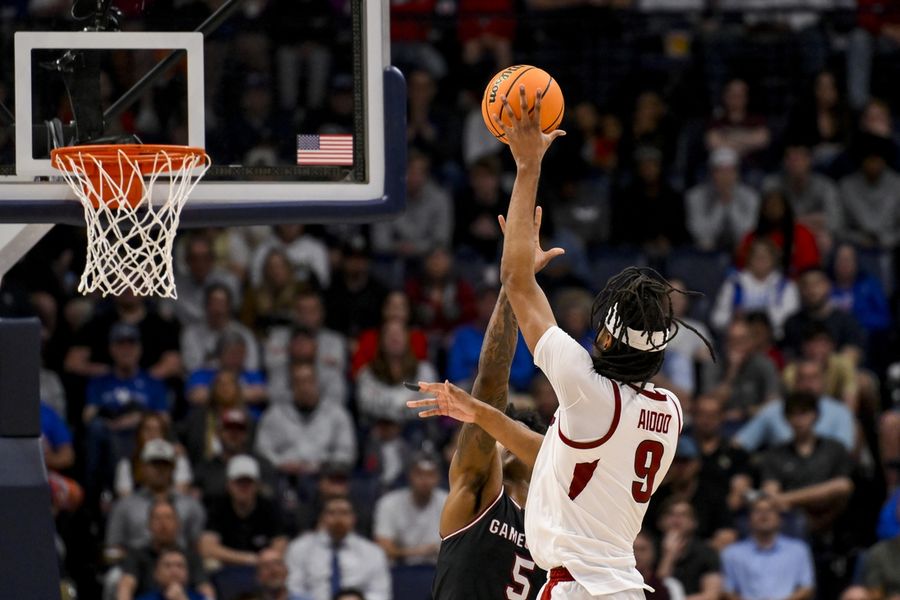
[652, 394]
[478, 518]
[612, 428]
[677, 406]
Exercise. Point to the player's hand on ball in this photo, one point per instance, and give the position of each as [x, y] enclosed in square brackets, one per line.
[527, 141]
[448, 401]
[541, 257]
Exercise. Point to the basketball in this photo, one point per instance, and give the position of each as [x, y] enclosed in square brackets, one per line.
[507, 83]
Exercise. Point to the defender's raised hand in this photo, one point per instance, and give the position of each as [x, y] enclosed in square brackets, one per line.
[527, 141]
[448, 401]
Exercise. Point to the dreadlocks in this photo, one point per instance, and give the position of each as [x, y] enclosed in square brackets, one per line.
[635, 308]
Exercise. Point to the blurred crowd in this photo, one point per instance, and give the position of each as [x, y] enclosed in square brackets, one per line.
[251, 440]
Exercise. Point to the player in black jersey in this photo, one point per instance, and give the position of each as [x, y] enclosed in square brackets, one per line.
[483, 553]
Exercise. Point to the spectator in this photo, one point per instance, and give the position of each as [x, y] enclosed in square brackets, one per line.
[813, 198]
[651, 202]
[198, 431]
[889, 519]
[115, 403]
[270, 302]
[137, 577]
[770, 426]
[90, 355]
[193, 284]
[379, 391]
[477, 207]
[386, 452]
[809, 474]
[685, 351]
[749, 380]
[56, 440]
[128, 472]
[881, 571]
[823, 121]
[231, 356]
[763, 337]
[300, 436]
[870, 198]
[396, 307]
[683, 483]
[327, 348]
[355, 298]
[462, 359]
[272, 575]
[734, 128]
[816, 306]
[767, 564]
[762, 286]
[689, 560]
[652, 126]
[877, 33]
[407, 520]
[411, 29]
[303, 347]
[331, 348]
[171, 578]
[244, 523]
[325, 561]
[723, 210]
[486, 30]
[725, 470]
[796, 244]
[840, 379]
[306, 254]
[428, 220]
[440, 299]
[645, 562]
[336, 479]
[234, 437]
[857, 292]
[200, 339]
[127, 525]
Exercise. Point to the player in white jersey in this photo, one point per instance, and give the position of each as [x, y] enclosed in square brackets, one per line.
[614, 435]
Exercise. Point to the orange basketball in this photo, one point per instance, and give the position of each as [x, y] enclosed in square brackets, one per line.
[507, 83]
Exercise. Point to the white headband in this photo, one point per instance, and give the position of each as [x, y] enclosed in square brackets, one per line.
[646, 341]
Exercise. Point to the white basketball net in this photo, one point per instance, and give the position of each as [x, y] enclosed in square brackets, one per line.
[130, 247]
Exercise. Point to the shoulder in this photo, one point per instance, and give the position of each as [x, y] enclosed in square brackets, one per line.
[793, 546]
[392, 499]
[736, 551]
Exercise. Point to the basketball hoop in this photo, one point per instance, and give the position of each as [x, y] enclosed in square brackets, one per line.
[130, 235]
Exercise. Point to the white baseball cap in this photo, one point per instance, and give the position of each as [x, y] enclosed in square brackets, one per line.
[158, 449]
[724, 157]
[242, 466]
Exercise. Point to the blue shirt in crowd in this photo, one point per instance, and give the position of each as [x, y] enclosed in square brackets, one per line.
[769, 427]
[53, 428]
[462, 362]
[114, 396]
[755, 573]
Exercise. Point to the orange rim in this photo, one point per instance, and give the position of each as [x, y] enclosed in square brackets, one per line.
[145, 155]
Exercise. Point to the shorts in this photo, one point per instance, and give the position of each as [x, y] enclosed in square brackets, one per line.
[561, 586]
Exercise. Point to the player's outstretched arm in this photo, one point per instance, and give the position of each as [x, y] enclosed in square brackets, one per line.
[451, 401]
[528, 144]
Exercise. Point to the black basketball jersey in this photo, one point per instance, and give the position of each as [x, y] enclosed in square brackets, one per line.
[488, 559]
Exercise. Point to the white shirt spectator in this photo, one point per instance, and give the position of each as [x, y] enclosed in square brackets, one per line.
[399, 519]
[303, 252]
[325, 434]
[363, 566]
[776, 295]
[715, 224]
[199, 345]
[331, 365]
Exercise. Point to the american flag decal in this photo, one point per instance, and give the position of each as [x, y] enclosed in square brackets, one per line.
[331, 149]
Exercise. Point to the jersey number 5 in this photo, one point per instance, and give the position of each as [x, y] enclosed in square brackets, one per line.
[518, 590]
[647, 460]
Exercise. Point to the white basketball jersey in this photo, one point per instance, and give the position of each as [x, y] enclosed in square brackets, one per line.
[608, 449]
